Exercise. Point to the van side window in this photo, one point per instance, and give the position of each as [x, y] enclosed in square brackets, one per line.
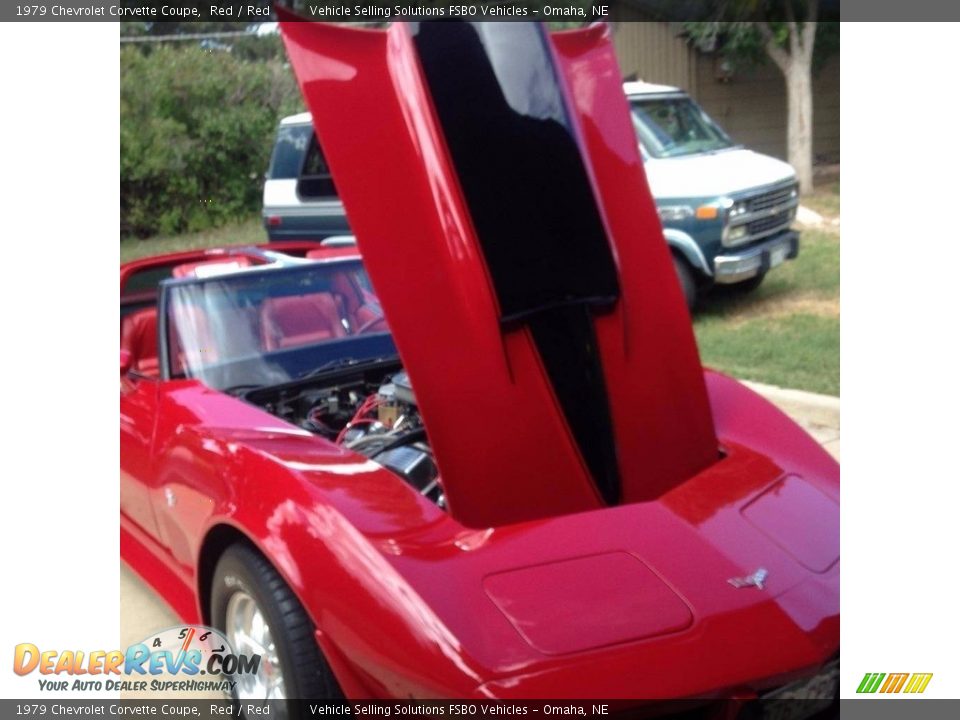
[315, 180]
[288, 152]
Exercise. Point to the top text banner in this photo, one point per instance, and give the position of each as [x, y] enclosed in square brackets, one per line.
[377, 11]
[259, 11]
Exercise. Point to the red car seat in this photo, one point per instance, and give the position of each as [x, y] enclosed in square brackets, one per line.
[138, 336]
[301, 320]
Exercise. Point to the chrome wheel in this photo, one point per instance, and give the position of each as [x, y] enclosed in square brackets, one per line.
[259, 615]
[249, 634]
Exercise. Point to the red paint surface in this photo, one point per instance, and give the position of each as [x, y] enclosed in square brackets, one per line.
[662, 423]
[801, 519]
[610, 599]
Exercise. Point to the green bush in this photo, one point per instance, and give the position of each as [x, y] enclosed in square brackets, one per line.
[196, 130]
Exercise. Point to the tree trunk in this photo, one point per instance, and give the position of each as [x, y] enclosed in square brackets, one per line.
[800, 119]
[796, 64]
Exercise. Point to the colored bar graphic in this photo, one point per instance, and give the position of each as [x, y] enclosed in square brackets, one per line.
[918, 682]
[895, 682]
[870, 682]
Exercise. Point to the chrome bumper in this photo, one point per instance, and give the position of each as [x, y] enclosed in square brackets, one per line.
[736, 267]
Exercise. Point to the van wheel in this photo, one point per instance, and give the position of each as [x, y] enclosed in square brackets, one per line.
[748, 286]
[687, 282]
[260, 615]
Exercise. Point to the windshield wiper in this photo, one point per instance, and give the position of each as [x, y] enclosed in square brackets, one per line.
[240, 389]
[339, 363]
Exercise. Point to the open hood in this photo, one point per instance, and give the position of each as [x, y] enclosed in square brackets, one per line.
[491, 175]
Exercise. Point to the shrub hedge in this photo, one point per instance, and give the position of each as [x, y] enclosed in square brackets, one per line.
[196, 130]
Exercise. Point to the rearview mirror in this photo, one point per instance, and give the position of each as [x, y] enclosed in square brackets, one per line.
[126, 360]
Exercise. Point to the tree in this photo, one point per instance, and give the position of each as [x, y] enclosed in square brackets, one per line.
[787, 32]
[196, 131]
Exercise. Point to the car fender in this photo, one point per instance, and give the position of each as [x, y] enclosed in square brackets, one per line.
[744, 416]
[688, 248]
[337, 571]
[227, 530]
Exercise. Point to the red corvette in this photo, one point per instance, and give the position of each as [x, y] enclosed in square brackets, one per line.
[526, 486]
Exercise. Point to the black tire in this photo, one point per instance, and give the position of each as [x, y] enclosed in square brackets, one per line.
[305, 672]
[688, 282]
[748, 286]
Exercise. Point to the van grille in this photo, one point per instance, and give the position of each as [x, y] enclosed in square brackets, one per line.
[782, 201]
[771, 198]
[769, 223]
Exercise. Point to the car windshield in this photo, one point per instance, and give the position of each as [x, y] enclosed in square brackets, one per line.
[272, 325]
[673, 126]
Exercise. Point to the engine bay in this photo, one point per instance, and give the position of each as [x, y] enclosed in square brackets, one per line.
[371, 410]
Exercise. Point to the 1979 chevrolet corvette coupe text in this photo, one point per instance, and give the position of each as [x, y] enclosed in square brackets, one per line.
[526, 485]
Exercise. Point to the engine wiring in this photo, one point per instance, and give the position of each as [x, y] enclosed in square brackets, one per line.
[367, 406]
[370, 413]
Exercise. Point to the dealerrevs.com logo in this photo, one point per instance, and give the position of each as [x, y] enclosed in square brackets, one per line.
[911, 683]
[189, 658]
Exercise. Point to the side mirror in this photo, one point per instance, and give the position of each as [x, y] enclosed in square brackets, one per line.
[126, 362]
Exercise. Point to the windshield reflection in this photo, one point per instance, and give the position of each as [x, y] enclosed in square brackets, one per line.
[668, 127]
[271, 325]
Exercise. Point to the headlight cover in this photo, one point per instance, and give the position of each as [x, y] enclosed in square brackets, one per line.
[674, 213]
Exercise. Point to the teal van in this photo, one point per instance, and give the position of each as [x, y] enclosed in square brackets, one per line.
[727, 212]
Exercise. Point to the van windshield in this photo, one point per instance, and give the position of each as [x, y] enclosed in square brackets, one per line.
[673, 126]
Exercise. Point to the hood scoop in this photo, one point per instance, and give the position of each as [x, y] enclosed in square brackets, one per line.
[801, 520]
[607, 599]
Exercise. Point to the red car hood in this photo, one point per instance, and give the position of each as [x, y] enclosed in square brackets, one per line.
[491, 175]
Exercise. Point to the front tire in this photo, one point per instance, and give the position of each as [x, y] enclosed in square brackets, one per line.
[748, 286]
[688, 282]
[260, 615]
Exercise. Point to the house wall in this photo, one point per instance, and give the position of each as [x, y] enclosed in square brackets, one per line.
[654, 53]
[751, 105]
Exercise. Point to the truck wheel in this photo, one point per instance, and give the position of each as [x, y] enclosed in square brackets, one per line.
[260, 615]
[750, 285]
[687, 282]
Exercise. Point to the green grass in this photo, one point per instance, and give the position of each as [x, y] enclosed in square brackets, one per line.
[785, 333]
[815, 273]
[242, 233]
[825, 199]
[798, 351]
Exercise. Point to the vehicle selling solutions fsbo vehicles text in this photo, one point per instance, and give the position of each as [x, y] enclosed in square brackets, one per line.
[419, 11]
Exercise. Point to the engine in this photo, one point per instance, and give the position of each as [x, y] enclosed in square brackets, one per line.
[376, 418]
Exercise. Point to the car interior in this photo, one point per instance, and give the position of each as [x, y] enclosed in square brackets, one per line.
[277, 323]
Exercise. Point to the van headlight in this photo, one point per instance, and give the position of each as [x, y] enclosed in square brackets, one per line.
[675, 213]
[733, 208]
[736, 233]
